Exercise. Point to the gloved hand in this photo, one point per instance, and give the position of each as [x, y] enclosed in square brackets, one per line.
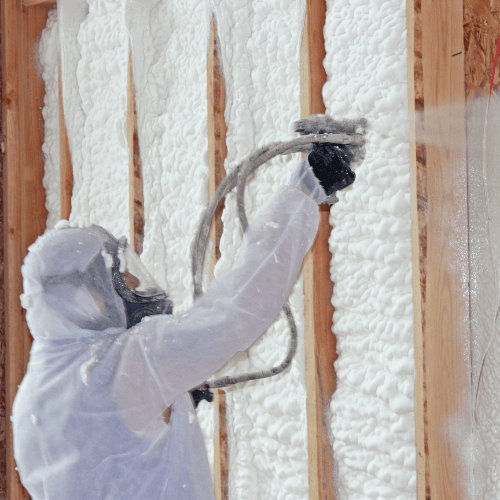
[331, 166]
[324, 172]
[330, 163]
[304, 179]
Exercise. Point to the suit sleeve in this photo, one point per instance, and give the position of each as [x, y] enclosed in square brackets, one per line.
[177, 354]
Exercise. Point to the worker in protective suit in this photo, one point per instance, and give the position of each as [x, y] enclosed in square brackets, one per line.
[104, 410]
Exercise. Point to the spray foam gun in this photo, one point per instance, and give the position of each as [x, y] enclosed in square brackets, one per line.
[332, 145]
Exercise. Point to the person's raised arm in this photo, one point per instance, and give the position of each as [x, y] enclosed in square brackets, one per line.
[177, 354]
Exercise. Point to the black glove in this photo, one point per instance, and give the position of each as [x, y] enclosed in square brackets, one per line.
[201, 393]
[331, 166]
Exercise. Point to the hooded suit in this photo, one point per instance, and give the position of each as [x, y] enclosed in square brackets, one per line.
[88, 417]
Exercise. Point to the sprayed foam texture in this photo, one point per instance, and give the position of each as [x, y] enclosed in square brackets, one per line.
[95, 55]
[260, 48]
[170, 46]
[47, 51]
[372, 411]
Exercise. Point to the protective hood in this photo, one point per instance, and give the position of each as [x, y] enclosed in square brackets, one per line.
[68, 287]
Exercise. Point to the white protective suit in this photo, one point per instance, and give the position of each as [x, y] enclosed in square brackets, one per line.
[87, 418]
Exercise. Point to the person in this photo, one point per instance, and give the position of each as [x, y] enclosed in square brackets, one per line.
[103, 411]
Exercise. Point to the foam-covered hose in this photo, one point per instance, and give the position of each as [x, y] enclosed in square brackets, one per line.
[237, 178]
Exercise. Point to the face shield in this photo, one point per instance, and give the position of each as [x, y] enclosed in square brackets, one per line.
[140, 293]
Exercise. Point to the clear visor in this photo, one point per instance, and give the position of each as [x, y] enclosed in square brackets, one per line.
[135, 274]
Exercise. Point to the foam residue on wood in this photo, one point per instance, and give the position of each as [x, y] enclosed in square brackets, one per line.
[48, 54]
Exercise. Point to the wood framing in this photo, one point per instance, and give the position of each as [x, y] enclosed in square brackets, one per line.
[24, 195]
[438, 66]
[65, 168]
[221, 454]
[217, 152]
[136, 199]
[36, 3]
[440, 247]
[320, 342]
[481, 31]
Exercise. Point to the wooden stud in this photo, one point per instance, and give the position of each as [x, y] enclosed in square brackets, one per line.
[221, 455]
[440, 248]
[217, 150]
[136, 200]
[65, 167]
[418, 191]
[217, 153]
[24, 195]
[14, 354]
[320, 343]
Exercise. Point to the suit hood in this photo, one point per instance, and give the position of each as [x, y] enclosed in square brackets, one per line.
[68, 288]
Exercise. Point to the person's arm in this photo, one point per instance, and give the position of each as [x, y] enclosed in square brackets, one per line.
[177, 354]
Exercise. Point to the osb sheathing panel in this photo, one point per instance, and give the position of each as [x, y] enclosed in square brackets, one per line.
[481, 30]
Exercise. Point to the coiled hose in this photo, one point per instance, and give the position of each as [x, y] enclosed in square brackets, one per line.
[237, 178]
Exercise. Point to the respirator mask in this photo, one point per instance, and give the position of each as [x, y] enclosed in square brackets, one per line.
[140, 293]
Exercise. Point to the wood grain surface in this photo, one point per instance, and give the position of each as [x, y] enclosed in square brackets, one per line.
[65, 166]
[221, 455]
[320, 343]
[481, 30]
[440, 247]
[3, 454]
[418, 190]
[136, 192]
[34, 3]
[217, 150]
[217, 153]
[24, 196]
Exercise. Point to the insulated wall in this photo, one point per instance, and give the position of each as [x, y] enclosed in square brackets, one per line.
[266, 419]
[169, 41]
[372, 410]
[48, 53]
[94, 67]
